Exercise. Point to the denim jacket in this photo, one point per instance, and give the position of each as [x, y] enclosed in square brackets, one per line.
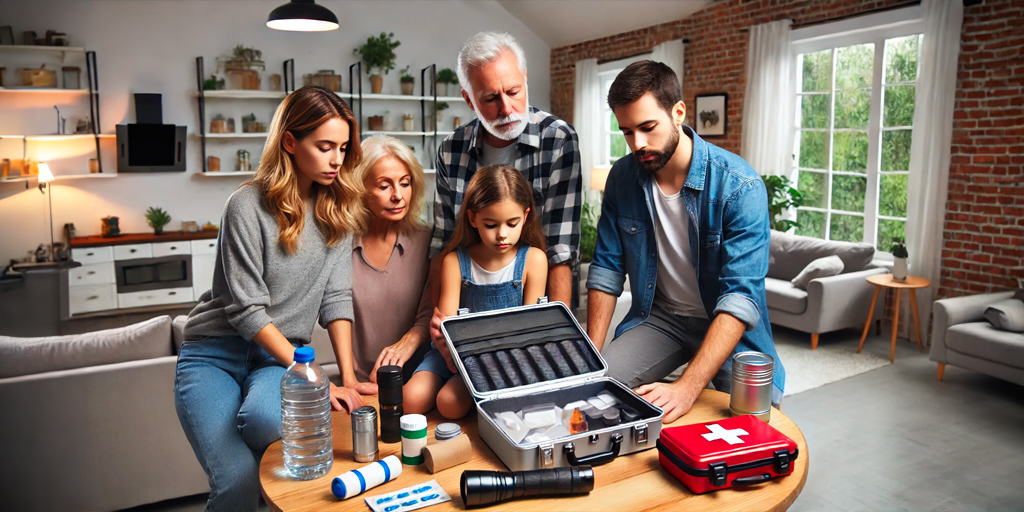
[729, 239]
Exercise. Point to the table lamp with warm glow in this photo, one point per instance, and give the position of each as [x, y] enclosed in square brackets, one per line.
[45, 177]
[598, 177]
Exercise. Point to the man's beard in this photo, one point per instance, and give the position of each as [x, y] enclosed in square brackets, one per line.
[511, 133]
[661, 157]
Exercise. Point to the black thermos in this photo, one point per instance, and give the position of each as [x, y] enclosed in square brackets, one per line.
[389, 388]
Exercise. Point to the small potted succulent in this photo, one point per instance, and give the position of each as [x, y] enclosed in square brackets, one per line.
[378, 54]
[157, 219]
[441, 107]
[408, 82]
[444, 77]
[375, 123]
[899, 254]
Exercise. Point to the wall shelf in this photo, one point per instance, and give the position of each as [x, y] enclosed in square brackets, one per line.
[90, 176]
[37, 90]
[74, 136]
[399, 97]
[243, 94]
[218, 174]
[40, 48]
[232, 135]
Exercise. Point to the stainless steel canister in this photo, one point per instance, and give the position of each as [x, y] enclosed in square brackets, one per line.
[364, 434]
[751, 393]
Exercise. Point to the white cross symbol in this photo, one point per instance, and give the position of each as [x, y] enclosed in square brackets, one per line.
[729, 436]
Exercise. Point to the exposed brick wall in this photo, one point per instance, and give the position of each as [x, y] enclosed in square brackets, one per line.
[984, 232]
[983, 247]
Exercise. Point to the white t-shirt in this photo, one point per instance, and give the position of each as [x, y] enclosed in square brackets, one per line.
[484, 276]
[677, 289]
[504, 156]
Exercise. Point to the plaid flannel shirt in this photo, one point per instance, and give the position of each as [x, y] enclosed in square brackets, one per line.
[549, 158]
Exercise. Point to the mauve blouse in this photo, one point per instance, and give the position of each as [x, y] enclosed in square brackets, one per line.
[388, 302]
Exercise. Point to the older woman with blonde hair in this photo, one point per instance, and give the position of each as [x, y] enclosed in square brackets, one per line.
[389, 264]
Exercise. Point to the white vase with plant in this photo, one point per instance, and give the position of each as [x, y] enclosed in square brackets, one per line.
[899, 254]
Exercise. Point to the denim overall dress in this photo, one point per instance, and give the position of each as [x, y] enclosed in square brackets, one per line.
[479, 297]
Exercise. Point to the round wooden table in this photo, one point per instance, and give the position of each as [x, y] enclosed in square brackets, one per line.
[888, 281]
[631, 482]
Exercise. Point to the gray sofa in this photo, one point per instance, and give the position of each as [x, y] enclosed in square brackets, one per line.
[961, 336]
[829, 303]
[89, 420]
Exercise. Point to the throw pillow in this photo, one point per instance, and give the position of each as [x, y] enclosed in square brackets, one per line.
[821, 267]
[1006, 315]
[30, 356]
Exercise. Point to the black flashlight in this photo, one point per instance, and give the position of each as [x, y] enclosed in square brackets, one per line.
[481, 488]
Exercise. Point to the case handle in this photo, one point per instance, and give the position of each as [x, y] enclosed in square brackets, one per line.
[596, 459]
[753, 480]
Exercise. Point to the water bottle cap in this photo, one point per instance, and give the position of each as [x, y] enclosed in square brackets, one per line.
[304, 354]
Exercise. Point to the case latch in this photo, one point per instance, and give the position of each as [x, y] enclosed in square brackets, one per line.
[547, 456]
[782, 462]
[718, 473]
[640, 434]
[462, 311]
[542, 300]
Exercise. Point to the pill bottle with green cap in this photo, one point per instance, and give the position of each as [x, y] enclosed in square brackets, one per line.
[414, 438]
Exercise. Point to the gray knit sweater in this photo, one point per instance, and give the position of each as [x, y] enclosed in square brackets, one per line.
[256, 282]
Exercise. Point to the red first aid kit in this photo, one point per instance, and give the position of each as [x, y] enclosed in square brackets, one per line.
[742, 450]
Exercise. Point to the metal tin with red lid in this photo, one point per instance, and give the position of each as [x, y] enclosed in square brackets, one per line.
[741, 450]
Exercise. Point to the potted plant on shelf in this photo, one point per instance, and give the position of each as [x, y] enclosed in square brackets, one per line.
[407, 82]
[441, 106]
[378, 53]
[375, 123]
[781, 197]
[157, 219]
[243, 68]
[444, 77]
[899, 254]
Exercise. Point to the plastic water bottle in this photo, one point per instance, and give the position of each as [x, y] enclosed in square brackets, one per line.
[306, 418]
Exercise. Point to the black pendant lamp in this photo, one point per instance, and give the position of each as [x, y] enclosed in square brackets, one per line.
[302, 16]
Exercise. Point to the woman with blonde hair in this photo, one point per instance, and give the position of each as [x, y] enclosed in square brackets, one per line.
[283, 261]
[389, 264]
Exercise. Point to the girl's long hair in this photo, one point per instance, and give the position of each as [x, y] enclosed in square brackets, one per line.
[494, 184]
[338, 208]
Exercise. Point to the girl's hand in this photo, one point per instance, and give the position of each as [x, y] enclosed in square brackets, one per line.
[438, 339]
[398, 353]
[345, 398]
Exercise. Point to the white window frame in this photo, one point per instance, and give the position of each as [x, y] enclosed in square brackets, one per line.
[876, 29]
[606, 74]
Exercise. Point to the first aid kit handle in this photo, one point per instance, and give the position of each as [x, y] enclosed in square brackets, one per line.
[596, 459]
[753, 480]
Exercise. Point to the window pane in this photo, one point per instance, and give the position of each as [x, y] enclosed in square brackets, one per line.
[817, 71]
[899, 106]
[850, 151]
[896, 150]
[810, 223]
[901, 59]
[617, 146]
[812, 150]
[888, 231]
[814, 110]
[853, 66]
[893, 198]
[812, 186]
[614, 122]
[848, 192]
[852, 108]
[846, 228]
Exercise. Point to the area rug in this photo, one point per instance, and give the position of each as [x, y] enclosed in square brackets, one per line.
[809, 369]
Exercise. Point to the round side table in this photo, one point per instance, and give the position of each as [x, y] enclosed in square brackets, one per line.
[887, 281]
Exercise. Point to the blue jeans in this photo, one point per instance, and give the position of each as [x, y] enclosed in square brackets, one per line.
[227, 392]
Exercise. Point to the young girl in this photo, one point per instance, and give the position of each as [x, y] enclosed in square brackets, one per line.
[494, 260]
[284, 260]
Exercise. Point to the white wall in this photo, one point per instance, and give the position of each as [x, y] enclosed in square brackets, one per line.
[151, 45]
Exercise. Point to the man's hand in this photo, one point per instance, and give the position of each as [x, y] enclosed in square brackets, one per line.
[438, 339]
[675, 399]
[345, 398]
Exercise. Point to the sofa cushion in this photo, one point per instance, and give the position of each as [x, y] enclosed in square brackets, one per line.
[980, 339]
[821, 267]
[782, 295]
[178, 332]
[30, 356]
[1006, 315]
[789, 254]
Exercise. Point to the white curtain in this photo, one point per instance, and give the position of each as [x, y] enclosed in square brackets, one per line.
[586, 118]
[671, 53]
[768, 120]
[930, 145]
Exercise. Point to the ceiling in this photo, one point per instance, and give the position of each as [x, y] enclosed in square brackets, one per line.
[564, 22]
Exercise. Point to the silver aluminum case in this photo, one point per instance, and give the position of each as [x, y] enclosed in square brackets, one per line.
[636, 436]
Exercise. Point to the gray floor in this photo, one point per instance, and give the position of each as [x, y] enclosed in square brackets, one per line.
[893, 438]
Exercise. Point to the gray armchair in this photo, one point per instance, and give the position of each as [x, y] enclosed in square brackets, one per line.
[962, 337]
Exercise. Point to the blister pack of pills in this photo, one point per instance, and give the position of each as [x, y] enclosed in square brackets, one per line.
[410, 498]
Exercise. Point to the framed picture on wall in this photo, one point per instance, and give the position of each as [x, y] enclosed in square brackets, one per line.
[710, 116]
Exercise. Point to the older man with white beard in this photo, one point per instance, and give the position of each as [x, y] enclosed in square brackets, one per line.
[492, 73]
